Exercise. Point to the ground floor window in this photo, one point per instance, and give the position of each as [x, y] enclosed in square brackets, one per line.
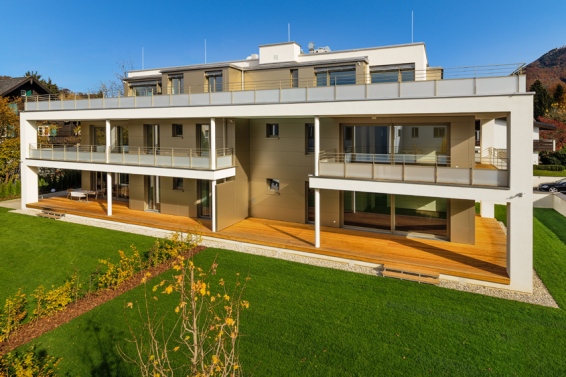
[396, 213]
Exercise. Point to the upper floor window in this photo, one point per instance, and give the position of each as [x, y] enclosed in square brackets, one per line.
[294, 78]
[309, 138]
[176, 84]
[393, 73]
[145, 88]
[414, 132]
[177, 130]
[341, 75]
[178, 184]
[214, 81]
[272, 130]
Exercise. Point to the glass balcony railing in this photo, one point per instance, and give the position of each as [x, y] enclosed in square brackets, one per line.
[188, 158]
[438, 82]
[428, 168]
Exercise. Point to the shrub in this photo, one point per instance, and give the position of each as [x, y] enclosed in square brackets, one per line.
[13, 314]
[553, 158]
[167, 249]
[56, 299]
[29, 363]
[549, 167]
[118, 273]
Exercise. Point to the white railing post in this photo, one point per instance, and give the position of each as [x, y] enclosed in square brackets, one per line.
[317, 218]
[316, 145]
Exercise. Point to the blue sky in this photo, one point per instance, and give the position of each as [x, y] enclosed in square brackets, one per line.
[78, 43]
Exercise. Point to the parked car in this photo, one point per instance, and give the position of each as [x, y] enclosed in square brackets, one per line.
[558, 186]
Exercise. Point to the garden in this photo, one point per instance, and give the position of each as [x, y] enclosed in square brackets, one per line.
[302, 320]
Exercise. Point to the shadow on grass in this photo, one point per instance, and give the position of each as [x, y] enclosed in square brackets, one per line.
[101, 354]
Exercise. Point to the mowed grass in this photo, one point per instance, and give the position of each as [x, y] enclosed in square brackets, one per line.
[36, 251]
[312, 321]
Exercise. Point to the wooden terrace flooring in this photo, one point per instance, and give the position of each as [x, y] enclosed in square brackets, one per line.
[486, 260]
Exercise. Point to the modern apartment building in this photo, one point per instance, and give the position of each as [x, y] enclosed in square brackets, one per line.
[372, 139]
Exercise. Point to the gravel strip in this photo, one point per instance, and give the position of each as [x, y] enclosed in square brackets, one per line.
[540, 295]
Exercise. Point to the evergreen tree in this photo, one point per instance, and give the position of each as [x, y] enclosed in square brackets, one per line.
[542, 100]
[558, 93]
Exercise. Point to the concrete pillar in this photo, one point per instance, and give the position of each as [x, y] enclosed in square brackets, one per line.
[212, 144]
[316, 217]
[316, 144]
[109, 193]
[214, 219]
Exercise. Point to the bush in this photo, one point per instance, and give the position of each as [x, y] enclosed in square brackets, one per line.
[118, 273]
[29, 363]
[56, 299]
[553, 158]
[549, 167]
[13, 314]
[10, 189]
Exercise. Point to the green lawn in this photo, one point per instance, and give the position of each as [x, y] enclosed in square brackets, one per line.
[549, 173]
[37, 251]
[312, 321]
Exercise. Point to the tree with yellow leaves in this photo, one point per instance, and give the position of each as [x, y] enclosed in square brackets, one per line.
[9, 141]
[206, 328]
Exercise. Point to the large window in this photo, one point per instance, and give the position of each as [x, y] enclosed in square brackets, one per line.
[408, 143]
[145, 88]
[214, 81]
[392, 73]
[176, 84]
[341, 75]
[396, 213]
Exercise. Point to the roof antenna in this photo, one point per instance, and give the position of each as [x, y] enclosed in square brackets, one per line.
[288, 32]
[205, 51]
[412, 26]
[142, 58]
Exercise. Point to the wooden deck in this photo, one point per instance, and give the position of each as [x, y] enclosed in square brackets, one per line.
[486, 260]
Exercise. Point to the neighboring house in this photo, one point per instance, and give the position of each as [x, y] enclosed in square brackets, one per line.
[21, 87]
[542, 145]
[372, 139]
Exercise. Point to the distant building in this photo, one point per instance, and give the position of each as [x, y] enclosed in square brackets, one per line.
[21, 87]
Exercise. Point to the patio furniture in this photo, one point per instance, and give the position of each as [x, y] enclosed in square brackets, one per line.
[78, 195]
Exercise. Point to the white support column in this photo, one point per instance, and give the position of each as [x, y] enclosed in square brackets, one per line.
[108, 140]
[316, 217]
[29, 185]
[487, 209]
[212, 143]
[109, 193]
[316, 144]
[214, 219]
[28, 174]
[520, 200]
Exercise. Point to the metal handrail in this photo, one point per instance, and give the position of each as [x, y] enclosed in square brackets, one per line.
[394, 159]
[171, 157]
[466, 72]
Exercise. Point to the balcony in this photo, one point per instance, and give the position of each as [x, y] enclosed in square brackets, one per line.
[185, 158]
[466, 81]
[419, 168]
[544, 145]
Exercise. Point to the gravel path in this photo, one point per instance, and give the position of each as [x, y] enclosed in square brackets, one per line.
[540, 295]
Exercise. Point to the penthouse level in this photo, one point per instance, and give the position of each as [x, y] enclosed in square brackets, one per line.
[372, 139]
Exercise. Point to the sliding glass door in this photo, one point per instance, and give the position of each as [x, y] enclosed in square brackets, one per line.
[400, 214]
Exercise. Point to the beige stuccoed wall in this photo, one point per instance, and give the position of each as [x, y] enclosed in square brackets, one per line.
[462, 221]
[284, 158]
[178, 202]
[137, 192]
